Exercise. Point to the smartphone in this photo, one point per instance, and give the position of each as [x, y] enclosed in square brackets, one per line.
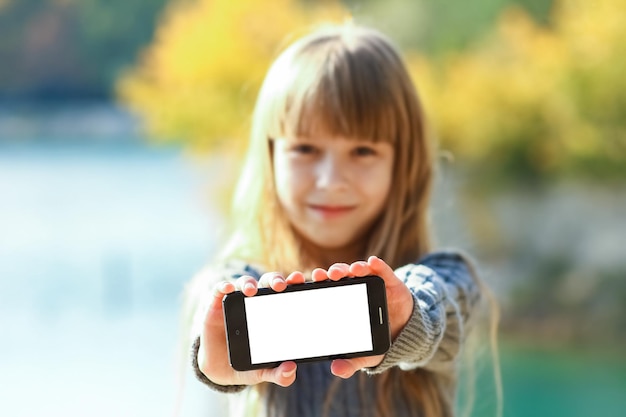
[307, 322]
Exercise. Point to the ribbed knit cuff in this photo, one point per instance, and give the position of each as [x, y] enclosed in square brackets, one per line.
[415, 345]
[202, 377]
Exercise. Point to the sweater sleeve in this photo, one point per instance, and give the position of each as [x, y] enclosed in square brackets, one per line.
[445, 293]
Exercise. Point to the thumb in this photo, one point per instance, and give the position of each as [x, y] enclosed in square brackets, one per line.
[382, 269]
[345, 368]
[283, 375]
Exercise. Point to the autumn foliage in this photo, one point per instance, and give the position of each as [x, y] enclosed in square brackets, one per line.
[537, 102]
[529, 101]
[198, 81]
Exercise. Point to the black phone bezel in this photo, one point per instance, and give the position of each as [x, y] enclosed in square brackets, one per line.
[237, 330]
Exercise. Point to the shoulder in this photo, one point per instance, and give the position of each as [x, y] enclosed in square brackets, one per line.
[441, 260]
[211, 274]
[448, 266]
[449, 257]
[196, 290]
[235, 268]
[224, 271]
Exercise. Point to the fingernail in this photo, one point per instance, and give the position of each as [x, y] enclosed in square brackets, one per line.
[288, 374]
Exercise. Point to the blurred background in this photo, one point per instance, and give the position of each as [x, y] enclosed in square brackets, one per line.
[122, 124]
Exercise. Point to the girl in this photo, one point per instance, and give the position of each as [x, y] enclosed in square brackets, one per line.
[336, 184]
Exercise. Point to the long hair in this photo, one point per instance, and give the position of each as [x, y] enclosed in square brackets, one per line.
[343, 81]
[351, 82]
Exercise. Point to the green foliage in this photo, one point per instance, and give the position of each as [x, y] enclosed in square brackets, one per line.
[77, 48]
[70, 48]
[435, 26]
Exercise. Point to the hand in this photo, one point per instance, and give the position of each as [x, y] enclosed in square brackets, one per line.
[399, 303]
[213, 352]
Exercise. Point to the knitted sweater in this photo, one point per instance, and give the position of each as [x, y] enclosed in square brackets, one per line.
[444, 296]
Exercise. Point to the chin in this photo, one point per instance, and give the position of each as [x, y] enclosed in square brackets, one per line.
[331, 244]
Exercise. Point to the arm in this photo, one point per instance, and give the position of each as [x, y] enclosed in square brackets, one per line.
[445, 294]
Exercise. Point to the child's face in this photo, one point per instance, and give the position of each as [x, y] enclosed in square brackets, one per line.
[332, 189]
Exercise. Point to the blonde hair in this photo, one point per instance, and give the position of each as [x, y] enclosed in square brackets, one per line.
[346, 81]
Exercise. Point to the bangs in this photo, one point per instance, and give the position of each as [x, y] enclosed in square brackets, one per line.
[338, 89]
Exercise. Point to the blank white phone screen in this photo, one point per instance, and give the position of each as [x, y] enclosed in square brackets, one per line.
[310, 323]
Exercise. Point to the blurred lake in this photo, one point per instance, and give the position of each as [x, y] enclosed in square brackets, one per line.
[99, 231]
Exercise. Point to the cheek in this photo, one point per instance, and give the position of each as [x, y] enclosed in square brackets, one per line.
[377, 183]
[379, 196]
[281, 181]
[376, 190]
[286, 180]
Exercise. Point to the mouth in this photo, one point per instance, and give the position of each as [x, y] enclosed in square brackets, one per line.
[329, 211]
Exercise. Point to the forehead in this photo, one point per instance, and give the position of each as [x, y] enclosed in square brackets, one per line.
[315, 124]
[332, 90]
[333, 140]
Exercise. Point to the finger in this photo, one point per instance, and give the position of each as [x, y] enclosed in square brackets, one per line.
[222, 288]
[296, 277]
[360, 269]
[319, 274]
[338, 271]
[283, 375]
[342, 368]
[219, 291]
[274, 280]
[380, 268]
[278, 283]
[247, 285]
[345, 368]
[215, 304]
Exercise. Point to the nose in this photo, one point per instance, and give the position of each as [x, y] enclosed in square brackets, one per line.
[331, 172]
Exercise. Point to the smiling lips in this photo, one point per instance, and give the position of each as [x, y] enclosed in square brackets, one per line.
[330, 211]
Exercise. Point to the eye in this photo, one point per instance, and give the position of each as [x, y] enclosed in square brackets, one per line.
[303, 148]
[364, 151]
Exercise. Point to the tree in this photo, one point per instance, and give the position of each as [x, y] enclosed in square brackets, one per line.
[72, 48]
[532, 102]
[197, 82]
